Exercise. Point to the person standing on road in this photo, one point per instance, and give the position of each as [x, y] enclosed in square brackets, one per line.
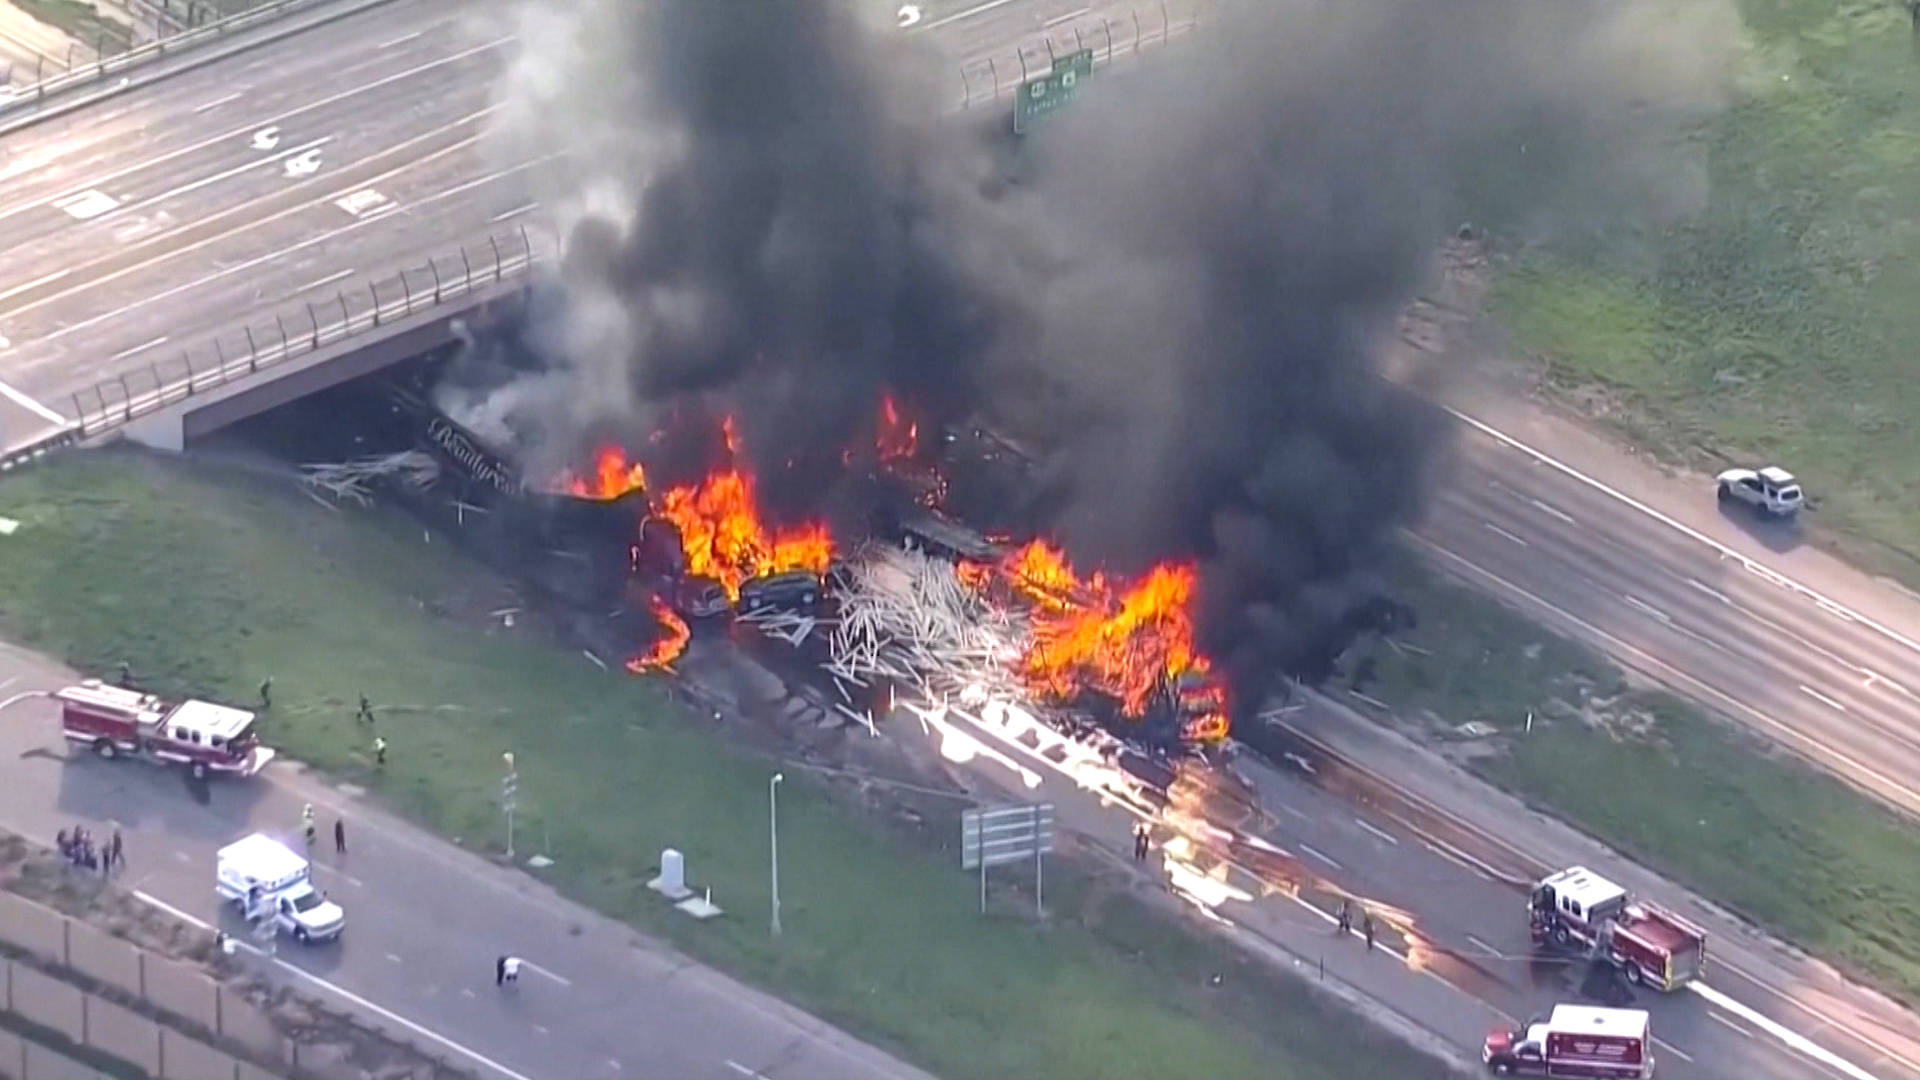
[500, 971]
[1366, 927]
[339, 836]
[116, 854]
[510, 970]
[1346, 917]
[126, 675]
[379, 751]
[266, 692]
[365, 715]
[306, 821]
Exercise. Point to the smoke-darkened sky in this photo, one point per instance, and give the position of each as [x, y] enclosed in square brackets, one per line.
[1186, 289]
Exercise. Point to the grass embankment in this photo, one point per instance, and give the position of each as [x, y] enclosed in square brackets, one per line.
[1779, 323]
[1710, 806]
[83, 22]
[210, 580]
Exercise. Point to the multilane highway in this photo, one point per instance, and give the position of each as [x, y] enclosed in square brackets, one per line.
[170, 214]
[176, 214]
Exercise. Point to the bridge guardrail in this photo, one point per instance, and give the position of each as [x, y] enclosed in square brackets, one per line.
[377, 301]
[103, 65]
[985, 80]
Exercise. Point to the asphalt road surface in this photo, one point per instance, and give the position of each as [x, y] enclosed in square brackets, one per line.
[161, 217]
[174, 215]
[1456, 862]
[425, 921]
[1734, 612]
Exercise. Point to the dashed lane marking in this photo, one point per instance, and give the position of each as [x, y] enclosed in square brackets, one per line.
[342, 992]
[1377, 831]
[1822, 698]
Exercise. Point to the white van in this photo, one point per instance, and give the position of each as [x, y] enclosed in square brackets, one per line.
[263, 878]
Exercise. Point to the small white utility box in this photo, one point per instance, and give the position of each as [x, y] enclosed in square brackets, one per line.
[672, 882]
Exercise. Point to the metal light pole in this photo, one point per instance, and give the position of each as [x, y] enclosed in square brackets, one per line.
[509, 797]
[773, 839]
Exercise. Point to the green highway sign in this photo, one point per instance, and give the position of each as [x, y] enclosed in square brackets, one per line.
[1080, 63]
[1043, 94]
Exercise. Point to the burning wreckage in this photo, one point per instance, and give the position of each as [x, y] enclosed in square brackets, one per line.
[918, 609]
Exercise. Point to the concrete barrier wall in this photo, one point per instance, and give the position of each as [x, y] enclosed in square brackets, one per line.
[185, 991]
[47, 1001]
[40, 1063]
[102, 956]
[248, 1026]
[38, 930]
[107, 1026]
[118, 1030]
[182, 1058]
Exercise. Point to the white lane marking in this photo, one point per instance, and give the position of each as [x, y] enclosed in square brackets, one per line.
[124, 353]
[266, 138]
[1874, 678]
[364, 203]
[743, 1070]
[1291, 810]
[349, 995]
[1648, 608]
[1672, 1049]
[1552, 511]
[1709, 590]
[1497, 530]
[1491, 951]
[909, 14]
[219, 101]
[1813, 747]
[395, 957]
[538, 970]
[195, 185]
[35, 283]
[257, 222]
[1325, 858]
[1834, 610]
[328, 280]
[1068, 17]
[515, 212]
[1744, 1033]
[31, 405]
[1796, 1041]
[305, 163]
[1685, 530]
[1379, 832]
[87, 203]
[401, 40]
[231, 133]
[1822, 698]
[959, 16]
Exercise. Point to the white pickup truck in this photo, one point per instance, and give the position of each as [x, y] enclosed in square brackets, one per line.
[1772, 491]
[263, 878]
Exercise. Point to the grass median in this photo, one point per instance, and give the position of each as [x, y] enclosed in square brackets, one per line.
[1778, 322]
[1707, 804]
[209, 580]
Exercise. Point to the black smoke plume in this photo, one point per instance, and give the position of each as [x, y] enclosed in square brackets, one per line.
[1182, 286]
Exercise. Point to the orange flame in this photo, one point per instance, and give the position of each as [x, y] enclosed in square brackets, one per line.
[668, 647]
[613, 476]
[1128, 641]
[896, 438]
[724, 539]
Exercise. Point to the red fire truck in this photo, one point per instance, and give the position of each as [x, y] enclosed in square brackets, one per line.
[1577, 1040]
[204, 737]
[1578, 911]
